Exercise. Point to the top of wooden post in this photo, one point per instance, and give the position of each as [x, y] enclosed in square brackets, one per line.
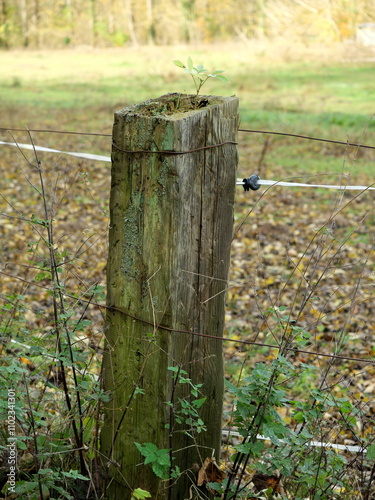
[175, 106]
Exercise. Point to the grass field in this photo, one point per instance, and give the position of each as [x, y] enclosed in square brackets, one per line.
[80, 91]
[289, 244]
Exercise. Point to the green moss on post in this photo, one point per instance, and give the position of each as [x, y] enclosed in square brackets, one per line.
[169, 250]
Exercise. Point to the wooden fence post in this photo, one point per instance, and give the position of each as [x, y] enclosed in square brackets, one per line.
[171, 228]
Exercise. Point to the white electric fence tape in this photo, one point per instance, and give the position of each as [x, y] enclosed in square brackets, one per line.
[298, 184]
[317, 444]
[88, 156]
[240, 182]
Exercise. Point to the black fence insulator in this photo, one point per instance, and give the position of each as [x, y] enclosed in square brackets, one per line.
[251, 183]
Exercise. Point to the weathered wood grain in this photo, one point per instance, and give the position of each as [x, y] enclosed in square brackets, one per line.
[169, 250]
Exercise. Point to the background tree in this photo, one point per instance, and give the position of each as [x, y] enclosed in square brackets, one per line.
[51, 24]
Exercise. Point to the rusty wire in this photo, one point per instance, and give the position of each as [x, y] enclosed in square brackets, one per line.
[285, 134]
[189, 332]
[169, 152]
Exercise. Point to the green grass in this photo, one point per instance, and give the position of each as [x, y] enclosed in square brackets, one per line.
[79, 91]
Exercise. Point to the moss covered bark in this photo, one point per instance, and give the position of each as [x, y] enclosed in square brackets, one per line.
[169, 249]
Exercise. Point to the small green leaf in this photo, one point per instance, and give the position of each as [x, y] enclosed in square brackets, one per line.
[201, 69]
[198, 402]
[176, 472]
[42, 276]
[44, 472]
[371, 452]
[60, 490]
[199, 73]
[299, 417]
[21, 445]
[159, 459]
[141, 494]
[26, 487]
[173, 368]
[73, 474]
[179, 64]
[222, 78]
[215, 486]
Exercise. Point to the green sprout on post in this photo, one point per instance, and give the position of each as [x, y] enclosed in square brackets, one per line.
[199, 74]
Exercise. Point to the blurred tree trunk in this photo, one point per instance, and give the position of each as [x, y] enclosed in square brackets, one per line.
[171, 21]
[36, 23]
[149, 18]
[111, 20]
[5, 23]
[24, 23]
[94, 22]
[131, 22]
[69, 9]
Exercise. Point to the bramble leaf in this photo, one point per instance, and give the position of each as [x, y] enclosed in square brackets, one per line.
[371, 452]
[141, 494]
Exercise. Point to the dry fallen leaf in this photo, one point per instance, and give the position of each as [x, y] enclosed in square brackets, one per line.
[210, 472]
[262, 482]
